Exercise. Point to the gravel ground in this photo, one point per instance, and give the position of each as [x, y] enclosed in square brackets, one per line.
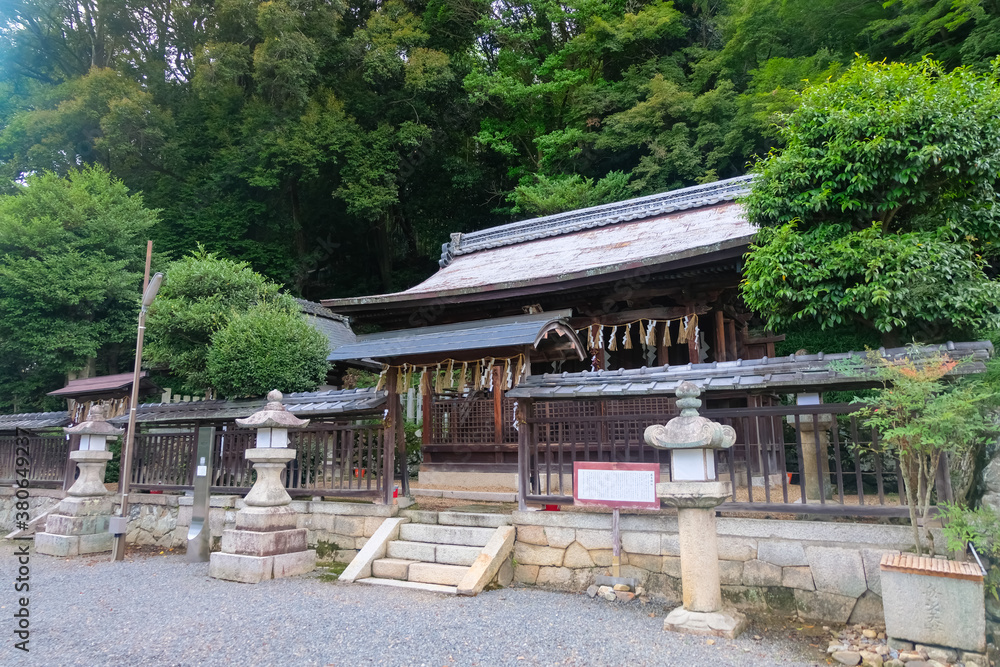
[160, 610]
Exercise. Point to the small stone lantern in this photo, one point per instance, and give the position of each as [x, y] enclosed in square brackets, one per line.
[79, 524]
[266, 543]
[695, 492]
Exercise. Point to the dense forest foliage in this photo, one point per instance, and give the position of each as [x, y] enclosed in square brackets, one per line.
[333, 144]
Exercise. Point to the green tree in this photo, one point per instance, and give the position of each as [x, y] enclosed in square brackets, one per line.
[71, 261]
[267, 347]
[919, 417]
[880, 211]
[202, 293]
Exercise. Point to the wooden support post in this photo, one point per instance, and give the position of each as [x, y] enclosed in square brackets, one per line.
[731, 340]
[390, 435]
[523, 451]
[498, 380]
[662, 351]
[597, 354]
[720, 337]
[693, 356]
[425, 409]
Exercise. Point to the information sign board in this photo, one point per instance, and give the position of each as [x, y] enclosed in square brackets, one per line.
[616, 485]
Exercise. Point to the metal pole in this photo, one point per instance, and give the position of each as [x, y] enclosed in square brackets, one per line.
[125, 470]
[616, 543]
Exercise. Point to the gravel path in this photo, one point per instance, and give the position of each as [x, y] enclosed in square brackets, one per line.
[160, 610]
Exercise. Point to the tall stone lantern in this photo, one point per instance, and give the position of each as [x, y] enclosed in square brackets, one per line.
[266, 543]
[79, 524]
[695, 492]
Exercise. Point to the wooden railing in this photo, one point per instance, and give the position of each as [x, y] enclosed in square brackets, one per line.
[47, 460]
[780, 462]
[338, 458]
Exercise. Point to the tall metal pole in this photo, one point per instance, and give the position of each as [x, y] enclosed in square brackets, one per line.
[125, 470]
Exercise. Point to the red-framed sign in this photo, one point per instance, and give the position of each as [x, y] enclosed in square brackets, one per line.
[616, 484]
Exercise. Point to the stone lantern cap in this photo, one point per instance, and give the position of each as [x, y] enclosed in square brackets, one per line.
[273, 415]
[96, 425]
[690, 430]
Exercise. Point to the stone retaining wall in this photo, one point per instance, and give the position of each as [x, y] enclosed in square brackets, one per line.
[39, 502]
[819, 570]
[339, 529]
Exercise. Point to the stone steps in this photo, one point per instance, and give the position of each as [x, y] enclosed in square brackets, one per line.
[433, 588]
[440, 550]
[448, 554]
[438, 534]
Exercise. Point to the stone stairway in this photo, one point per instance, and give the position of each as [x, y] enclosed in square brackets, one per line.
[445, 552]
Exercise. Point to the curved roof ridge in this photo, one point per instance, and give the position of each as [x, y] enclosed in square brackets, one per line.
[596, 216]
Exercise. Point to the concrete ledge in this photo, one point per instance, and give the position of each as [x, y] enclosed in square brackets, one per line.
[486, 566]
[155, 499]
[215, 501]
[35, 493]
[351, 509]
[361, 566]
[484, 496]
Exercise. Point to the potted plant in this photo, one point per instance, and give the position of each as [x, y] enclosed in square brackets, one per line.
[918, 417]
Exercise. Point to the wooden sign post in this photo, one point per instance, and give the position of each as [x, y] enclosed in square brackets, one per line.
[616, 485]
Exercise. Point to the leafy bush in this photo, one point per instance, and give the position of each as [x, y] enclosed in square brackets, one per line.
[200, 295]
[979, 527]
[268, 347]
[919, 417]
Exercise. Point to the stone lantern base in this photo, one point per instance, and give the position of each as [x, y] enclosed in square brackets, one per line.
[266, 544]
[79, 524]
[702, 612]
[726, 623]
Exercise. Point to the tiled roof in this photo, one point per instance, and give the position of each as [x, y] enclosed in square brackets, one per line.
[501, 332]
[312, 404]
[34, 420]
[794, 373]
[596, 216]
[104, 384]
[638, 234]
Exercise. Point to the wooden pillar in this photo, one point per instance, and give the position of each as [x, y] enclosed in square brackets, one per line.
[390, 435]
[731, 340]
[693, 347]
[720, 337]
[425, 391]
[662, 351]
[597, 354]
[524, 409]
[497, 373]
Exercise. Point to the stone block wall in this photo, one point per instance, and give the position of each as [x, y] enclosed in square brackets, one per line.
[39, 502]
[820, 570]
[339, 529]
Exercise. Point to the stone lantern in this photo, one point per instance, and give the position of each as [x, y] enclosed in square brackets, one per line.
[266, 543]
[695, 492]
[79, 524]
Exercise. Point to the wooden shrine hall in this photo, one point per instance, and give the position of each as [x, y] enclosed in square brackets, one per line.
[652, 281]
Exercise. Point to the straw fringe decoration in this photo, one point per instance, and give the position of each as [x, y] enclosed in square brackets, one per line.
[438, 380]
[451, 375]
[381, 378]
[627, 338]
[666, 334]
[613, 343]
[651, 334]
[461, 381]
